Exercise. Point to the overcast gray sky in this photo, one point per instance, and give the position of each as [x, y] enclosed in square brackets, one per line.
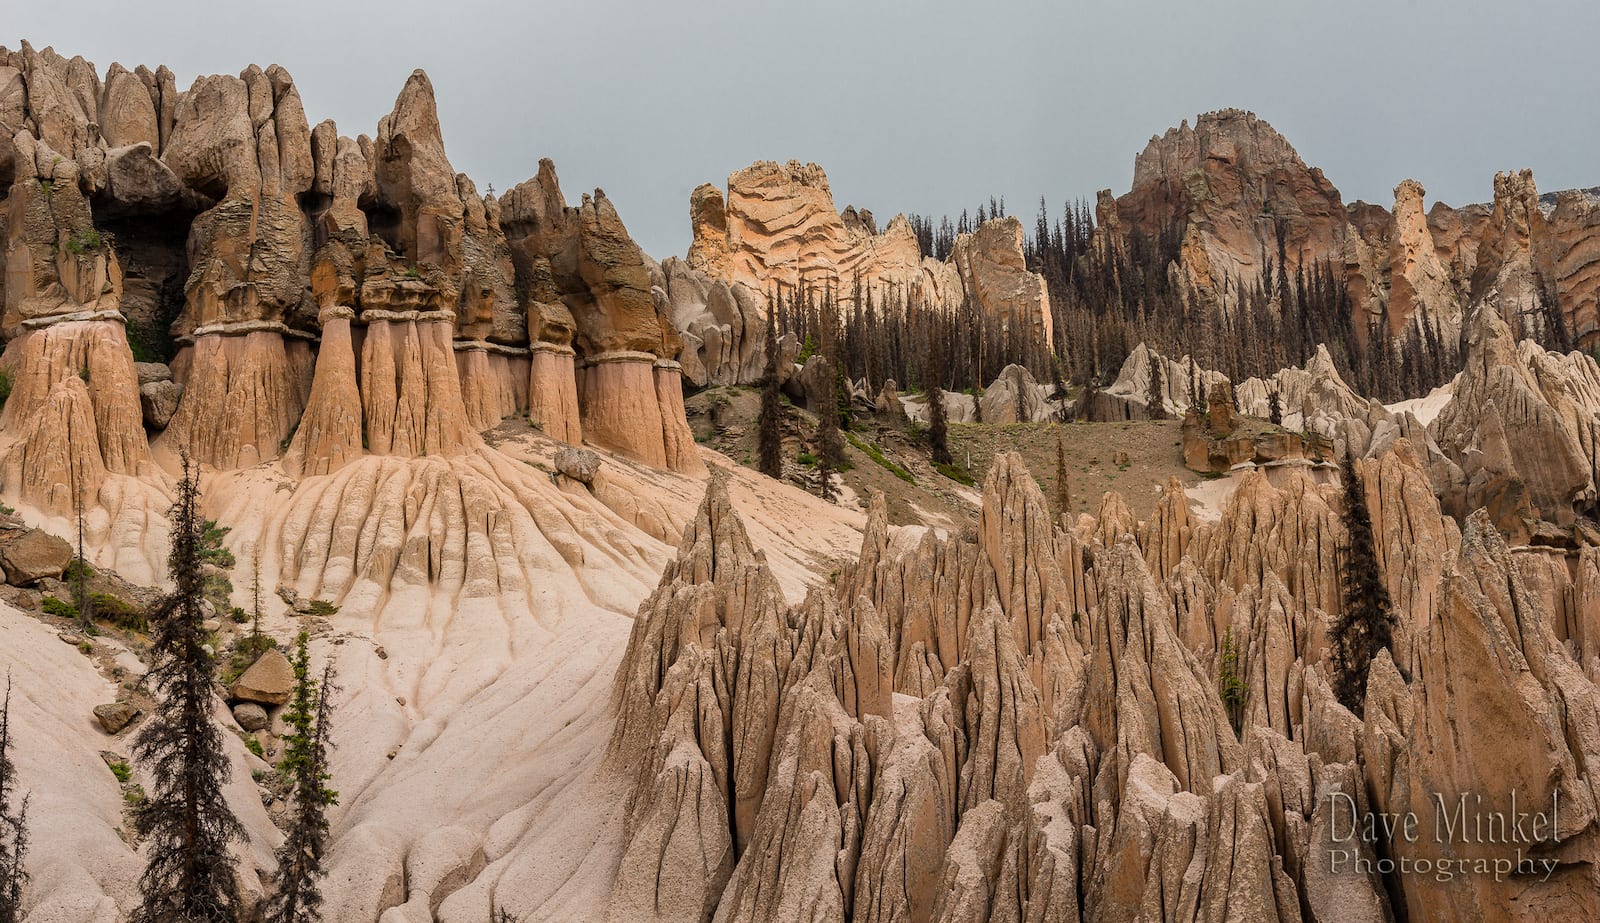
[910, 106]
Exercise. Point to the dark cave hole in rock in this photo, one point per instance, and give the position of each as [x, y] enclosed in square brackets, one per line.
[153, 251]
[384, 221]
[316, 204]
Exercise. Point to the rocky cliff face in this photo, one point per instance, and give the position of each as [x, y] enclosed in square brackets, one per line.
[1421, 289]
[778, 224]
[777, 228]
[1232, 192]
[1521, 424]
[993, 273]
[331, 297]
[1572, 254]
[1231, 186]
[722, 326]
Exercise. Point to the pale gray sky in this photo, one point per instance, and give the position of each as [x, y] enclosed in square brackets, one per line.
[911, 106]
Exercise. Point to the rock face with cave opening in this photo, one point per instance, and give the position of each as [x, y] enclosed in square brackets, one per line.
[333, 298]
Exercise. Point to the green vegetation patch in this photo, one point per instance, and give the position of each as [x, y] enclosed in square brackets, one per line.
[118, 612]
[956, 473]
[876, 454]
[59, 608]
[84, 242]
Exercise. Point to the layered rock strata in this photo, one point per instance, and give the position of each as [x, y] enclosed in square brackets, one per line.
[777, 228]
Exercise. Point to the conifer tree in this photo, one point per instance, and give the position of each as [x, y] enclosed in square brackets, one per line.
[938, 424]
[80, 569]
[255, 592]
[1058, 387]
[1155, 397]
[1063, 490]
[769, 427]
[186, 822]
[13, 825]
[830, 446]
[297, 897]
[841, 395]
[1365, 624]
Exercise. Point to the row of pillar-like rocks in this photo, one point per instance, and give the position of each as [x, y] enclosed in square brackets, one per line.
[1030, 722]
[339, 297]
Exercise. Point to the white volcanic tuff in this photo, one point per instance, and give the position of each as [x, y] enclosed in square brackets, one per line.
[483, 608]
[82, 868]
[1314, 396]
[1030, 714]
[72, 421]
[242, 397]
[330, 430]
[1022, 791]
[71, 431]
[1178, 380]
[481, 680]
[74, 370]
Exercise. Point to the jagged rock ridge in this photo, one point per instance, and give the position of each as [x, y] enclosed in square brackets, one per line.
[777, 228]
[1028, 725]
[1235, 194]
[333, 298]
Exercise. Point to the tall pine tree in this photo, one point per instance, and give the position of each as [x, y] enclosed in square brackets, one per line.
[830, 445]
[938, 424]
[186, 823]
[769, 426]
[1063, 489]
[80, 569]
[1155, 395]
[297, 897]
[1365, 624]
[13, 824]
